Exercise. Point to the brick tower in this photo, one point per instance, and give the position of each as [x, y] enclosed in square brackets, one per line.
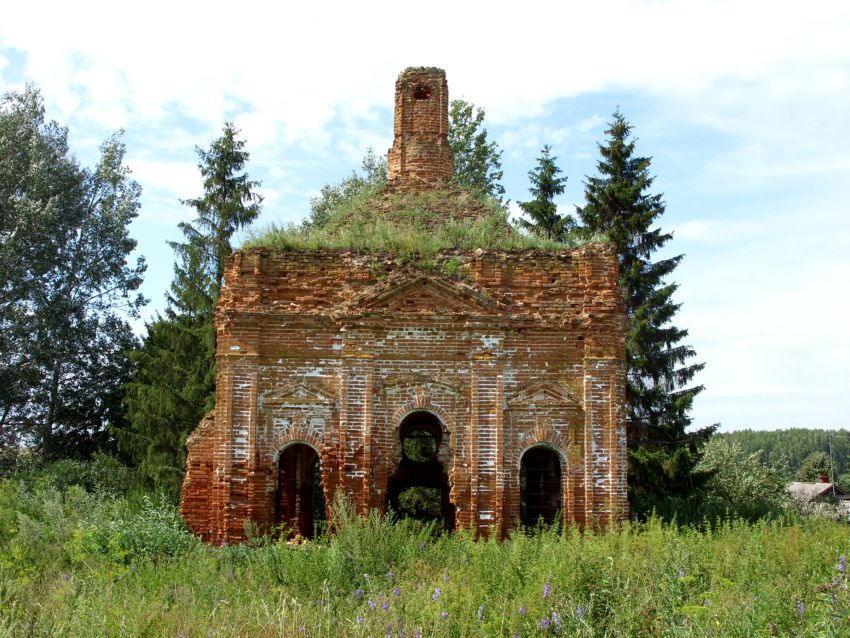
[420, 148]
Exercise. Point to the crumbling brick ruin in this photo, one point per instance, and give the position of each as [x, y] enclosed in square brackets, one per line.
[497, 386]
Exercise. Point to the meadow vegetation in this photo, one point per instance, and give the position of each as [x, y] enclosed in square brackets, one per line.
[113, 561]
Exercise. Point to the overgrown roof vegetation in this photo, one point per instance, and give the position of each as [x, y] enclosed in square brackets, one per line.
[407, 222]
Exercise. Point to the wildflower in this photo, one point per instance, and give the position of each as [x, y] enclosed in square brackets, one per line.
[390, 575]
[801, 608]
[547, 589]
[445, 576]
[359, 619]
[389, 629]
[417, 634]
[396, 591]
[842, 564]
[556, 619]
[385, 605]
[358, 593]
[66, 576]
[421, 547]
[681, 572]
[371, 604]
[444, 614]
[522, 611]
[437, 593]
[543, 625]
[580, 612]
[481, 613]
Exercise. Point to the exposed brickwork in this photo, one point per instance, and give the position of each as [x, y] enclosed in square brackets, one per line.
[420, 150]
[336, 350]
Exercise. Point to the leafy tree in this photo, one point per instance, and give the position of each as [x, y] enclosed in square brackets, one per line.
[618, 203]
[333, 197]
[740, 484]
[542, 212]
[477, 161]
[174, 383]
[65, 284]
[815, 465]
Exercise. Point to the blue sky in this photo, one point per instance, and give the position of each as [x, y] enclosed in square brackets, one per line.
[743, 105]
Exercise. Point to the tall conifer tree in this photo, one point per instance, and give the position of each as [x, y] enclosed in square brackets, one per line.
[542, 212]
[662, 453]
[174, 382]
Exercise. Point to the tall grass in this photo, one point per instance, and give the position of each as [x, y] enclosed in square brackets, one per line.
[75, 563]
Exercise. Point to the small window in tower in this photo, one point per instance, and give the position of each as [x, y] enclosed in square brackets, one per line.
[422, 92]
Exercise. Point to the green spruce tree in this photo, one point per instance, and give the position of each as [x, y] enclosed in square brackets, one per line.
[542, 212]
[662, 453]
[174, 381]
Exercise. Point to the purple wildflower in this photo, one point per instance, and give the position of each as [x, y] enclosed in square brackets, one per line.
[801, 607]
[445, 576]
[437, 593]
[371, 604]
[522, 611]
[481, 613]
[421, 547]
[358, 593]
[547, 589]
[681, 572]
[543, 625]
[396, 591]
[66, 576]
[385, 605]
[417, 634]
[556, 619]
[444, 614]
[842, 564]
[359, 619]
[580, 612]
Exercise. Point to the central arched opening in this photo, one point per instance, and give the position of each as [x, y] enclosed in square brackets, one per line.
[540, 486]
[299, 501]
[419, 488]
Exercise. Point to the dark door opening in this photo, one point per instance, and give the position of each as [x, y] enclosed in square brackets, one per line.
[419, 488]
[300, 501]
[540, 486]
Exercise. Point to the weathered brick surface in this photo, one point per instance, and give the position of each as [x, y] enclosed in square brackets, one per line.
[420, 150]
[333, 349]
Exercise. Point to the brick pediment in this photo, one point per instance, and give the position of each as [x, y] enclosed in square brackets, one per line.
[302, 393]
[541, 395]
[422, 294]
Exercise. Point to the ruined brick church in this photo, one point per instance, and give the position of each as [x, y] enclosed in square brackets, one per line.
[498, 387]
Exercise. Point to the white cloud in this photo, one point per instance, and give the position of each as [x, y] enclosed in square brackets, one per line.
[766, 85]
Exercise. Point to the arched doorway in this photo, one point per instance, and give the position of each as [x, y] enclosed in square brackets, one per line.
[299, 501]
[419, 488]
[540, 486]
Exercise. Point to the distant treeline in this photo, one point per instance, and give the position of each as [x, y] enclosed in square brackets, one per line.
[789, 450]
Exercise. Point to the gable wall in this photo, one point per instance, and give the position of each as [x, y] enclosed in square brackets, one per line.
[333, 349]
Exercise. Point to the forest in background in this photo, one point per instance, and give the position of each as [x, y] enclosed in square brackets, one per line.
[798, 454]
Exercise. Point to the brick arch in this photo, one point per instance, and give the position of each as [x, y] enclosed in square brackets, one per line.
[295, 435]
[545, 436]
[422, 403]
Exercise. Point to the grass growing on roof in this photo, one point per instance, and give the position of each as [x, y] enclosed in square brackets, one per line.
[406, 224]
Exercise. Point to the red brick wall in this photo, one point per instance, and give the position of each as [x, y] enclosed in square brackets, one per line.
[334, 349]
[420, 148]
